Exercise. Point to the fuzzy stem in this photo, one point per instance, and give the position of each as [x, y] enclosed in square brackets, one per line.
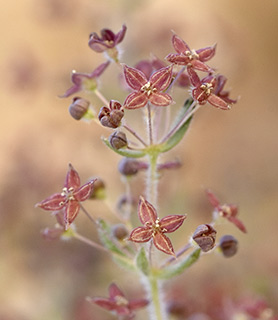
[157, 306]
[135, 134]
[89, 242]
[152, 179]
[87, 214]
[150, 123]
[101, 97]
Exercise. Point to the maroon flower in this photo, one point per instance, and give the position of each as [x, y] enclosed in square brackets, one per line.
[147, 90]
[191, 58]
[86, 81]
[228, 211]
[107, 40]
[218, 91]
[205, 90]
[118, 303]
[69, 198]
[154, 228]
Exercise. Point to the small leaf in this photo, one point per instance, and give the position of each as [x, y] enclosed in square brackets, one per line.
[142, 262]
[126, 152]
[179, 267]
[178, 135]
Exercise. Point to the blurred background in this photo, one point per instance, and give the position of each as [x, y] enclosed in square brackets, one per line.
[235, 153]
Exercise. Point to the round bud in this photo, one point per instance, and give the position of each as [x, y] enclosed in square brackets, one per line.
[228, 246]
[78, 107]
[118, 140]
[119, 231]
[205, 236]
[98, 190]
[128, 167]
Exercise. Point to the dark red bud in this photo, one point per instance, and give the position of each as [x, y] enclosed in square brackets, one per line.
[205, 236]
[118, 140]
[110, 118]
[129, 167]
[120, 232]
[78, 107]
[98, 190]
[228, 246]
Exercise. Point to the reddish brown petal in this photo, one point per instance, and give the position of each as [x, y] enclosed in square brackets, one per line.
[52, 203]
[213, 199]
[120, 35]
[124, 311]
[71, 211]
[114, 291]
[163, 243]
[162, 78]
[207, 53]
[218, 102]
[141, 234]
[134, 78]
[84, 192]
[177, 59]
[104, 303]
[238, 223]
[138, 303]
[100, 69]
[136, 100]
[171, 223]
[160, 99]
[179, 45]
[72, 178]
[146, 212]
[193, 76]
[199, 95]
[199, 65]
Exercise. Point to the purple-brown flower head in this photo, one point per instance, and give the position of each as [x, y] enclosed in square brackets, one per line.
[147, 90]
[154, 228]
[85, 81]
[111, 116]
[191, 58]
[228, 211]
[218, 91]
[118, 303]
[205, 90]
[69, 198]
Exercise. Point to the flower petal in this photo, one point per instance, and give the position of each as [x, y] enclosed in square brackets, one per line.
[193, 76]
[99, 70]
[136, 100]
[146, 212]
[237, 223]
[177, 58]
[72, 178]
[179, 45]
[71, 211]
[162, 78]
[218, 102]
[114, 291]
[207, 53]
[160, 99]
[163, 243]
[138, 303]
[213, 199]
[134, 77]
[52, 203]
[120, 35]
[104, 303]
[140, 234]
[84, 192]
[201, 66]
[172, 223]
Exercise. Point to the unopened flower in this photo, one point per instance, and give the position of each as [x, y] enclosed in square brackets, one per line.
[147, 90]
[191, 58]
[118, 140]
[228, 245]
[205, 236]
[111, 116]
[117, 303]
[69, 198]
[154, 228]
[228, 211]
[78, 108]
[119, 231]
[204, 90]
[130, 167]
[98, 191]
[85, 81]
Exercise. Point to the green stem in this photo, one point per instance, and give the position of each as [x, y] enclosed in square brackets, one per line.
[152, 179]
[157, 311]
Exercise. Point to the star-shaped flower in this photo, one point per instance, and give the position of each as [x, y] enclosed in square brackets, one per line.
[154, 228]
[191, 58]
[118, 303]
[69, 198]
[85, 81]
[147, 90]
[228, 211]
[205, 90]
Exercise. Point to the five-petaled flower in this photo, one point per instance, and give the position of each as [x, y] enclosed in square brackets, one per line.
[85, 81]
[118, 303]
[228, 211]
[204, 90]
[154, 228]
[69, 198]
[191, 58]
[147, 90]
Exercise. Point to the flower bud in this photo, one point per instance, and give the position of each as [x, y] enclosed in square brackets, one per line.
[111, 117]
[119, 231]
[52, 233]
[228, 245]
[118, 140]
[129, 167]
[205, 236]
[78, 107]
[98, 190]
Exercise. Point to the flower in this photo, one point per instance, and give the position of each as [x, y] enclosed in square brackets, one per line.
[118, 303]
[154, 228]
[107, 40]
[224, 95]
[69, 198]
[205, 90]
[147, 90]
[111, 116]
[191, 58]
[228, 211]
[86, 81]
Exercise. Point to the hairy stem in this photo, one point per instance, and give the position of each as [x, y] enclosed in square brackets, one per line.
[89, 242]
[150, 124]
[157, 307]
[101, 97]
[152, 179]
[135, 134]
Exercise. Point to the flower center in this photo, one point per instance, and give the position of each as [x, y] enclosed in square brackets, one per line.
[68, 193]
[225, 210]
[207, 88]
[192, 54]
[148, 88]
[121, 301]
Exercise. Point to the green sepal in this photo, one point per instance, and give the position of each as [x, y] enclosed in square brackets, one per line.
[104, 235]
[129, 153]
[142, 262]
[178, 268]
[178, 135]
[124, 262]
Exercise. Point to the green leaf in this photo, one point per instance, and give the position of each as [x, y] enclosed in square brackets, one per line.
[142, 262]
[178, 135]
[126, 152]
[104, 235]
[178, 268]
[124, 262]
